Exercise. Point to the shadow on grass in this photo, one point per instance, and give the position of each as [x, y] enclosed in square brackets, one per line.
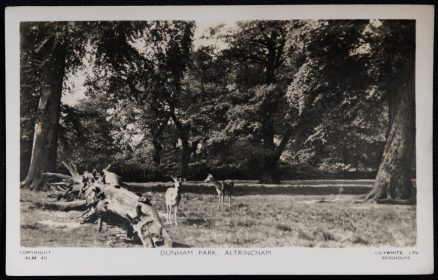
[196, 221]
[180, 245]
[269, 190]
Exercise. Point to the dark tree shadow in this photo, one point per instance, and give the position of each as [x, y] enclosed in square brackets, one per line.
[196, 221]
[180, 245]
[269, 190]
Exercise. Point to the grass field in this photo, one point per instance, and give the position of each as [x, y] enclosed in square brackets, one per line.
[317, 213]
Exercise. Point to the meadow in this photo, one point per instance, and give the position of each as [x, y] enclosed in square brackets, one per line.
[307, 213]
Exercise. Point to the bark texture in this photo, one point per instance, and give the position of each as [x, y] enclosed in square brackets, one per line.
[185, 157]
[393, 180]
[270, 168]
[186, 150]
[271, 154]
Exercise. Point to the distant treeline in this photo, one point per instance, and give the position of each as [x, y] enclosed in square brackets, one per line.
[134, 173]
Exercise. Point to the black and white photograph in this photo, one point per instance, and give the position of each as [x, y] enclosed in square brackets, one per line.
[242, 134]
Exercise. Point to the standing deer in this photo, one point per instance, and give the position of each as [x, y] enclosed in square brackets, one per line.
[222, 188]
[173, 197]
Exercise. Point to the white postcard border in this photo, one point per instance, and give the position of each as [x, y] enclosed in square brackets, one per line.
[136, 261]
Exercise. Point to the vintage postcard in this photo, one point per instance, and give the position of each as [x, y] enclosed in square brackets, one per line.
[219, 140]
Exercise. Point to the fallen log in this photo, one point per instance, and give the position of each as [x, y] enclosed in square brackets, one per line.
[71, 184]
[112, 204]
[78, 205]
[66, 178]
[122, 208]
[56, 194]
[60, 186]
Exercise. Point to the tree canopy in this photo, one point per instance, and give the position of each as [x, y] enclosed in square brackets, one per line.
[262, 100]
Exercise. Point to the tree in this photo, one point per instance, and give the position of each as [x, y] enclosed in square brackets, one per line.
[29, 95]
[147, 70]
[393, 54]
[329, 93]
[258, 51]
[53, 49]
[352, 66]
[341, 145]
[85, 134]
[51, 53]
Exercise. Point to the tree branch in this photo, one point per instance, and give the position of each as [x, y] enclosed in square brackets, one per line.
[257, 59]
[194, 146]
[57, 175]
[283, 143]
[278, 54]
[175, 120]
[280, 148]
[161, 126]
[71, 168]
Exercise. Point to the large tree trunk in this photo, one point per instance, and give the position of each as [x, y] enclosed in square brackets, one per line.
[184, 132]
[269, 173]
[28, 109]
[272, 155]
[46, 125]
[157, 139]
[158, 149]
[53, 152]
[393, 179]
[185, 158]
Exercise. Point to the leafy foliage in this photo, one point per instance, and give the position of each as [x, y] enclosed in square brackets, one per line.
[266, 95]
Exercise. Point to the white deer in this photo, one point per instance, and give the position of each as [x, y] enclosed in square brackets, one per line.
[173, 197]
[222, 188]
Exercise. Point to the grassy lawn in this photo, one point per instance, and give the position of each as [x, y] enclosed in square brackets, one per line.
[300, 215]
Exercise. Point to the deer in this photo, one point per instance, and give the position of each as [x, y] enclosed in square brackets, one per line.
[222, 188]
[172, 198]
